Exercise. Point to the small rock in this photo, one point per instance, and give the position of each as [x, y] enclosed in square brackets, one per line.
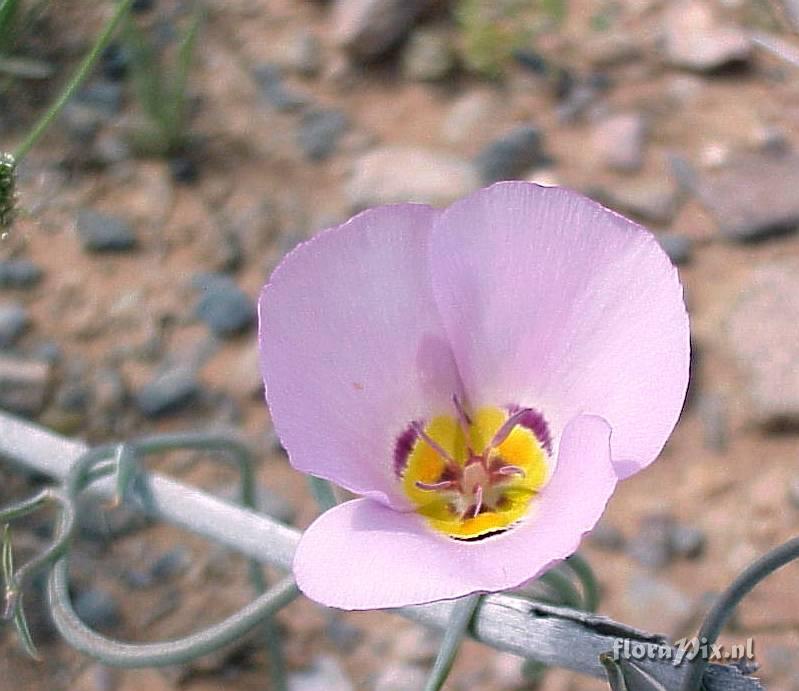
[677, 247]
[382, 176]
[510, 156]
[171, 564]
[223, 306]
[91, 108]
[793, 492]
[467, 115]
[110, 392]
[613, 48]
[98, 609]
[23, 385]
[319, 133]
[647, 600]
[687, 541]
[400, 677]
[762, 334]
[713, 414]
[755, 197]
[183, 169]
[344, 635]
[652, 547]
[168, 392]
[607, 537]
[275, 92]
[324, 675]
[19, 274]
[99, 521]
[695, 40]
[100, 232]
[619, 141]
[429, 55]
[302, 54]
[651, 200]
[14, 321]
[104, 96]
[370, 28]
[115, 62]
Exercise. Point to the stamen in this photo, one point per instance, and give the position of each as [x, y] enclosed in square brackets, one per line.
[433, 444]
[510, 424]
[462, 414]
[511, 470]
[465, 422]
[434, 486]
[478, 500]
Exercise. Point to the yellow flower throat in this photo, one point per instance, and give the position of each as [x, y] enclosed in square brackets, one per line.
[471, 476]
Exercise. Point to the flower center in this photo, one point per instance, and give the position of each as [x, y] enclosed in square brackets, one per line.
[473, 475]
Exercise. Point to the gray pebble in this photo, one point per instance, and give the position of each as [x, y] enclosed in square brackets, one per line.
[98, 609]
[344, 635]
[677, 247]
[319, 133]
[171, 564]
[13, 323]
[99, 522]
[510, 156]
[688, 541]
[99, 232]
[102, 95]
[169, 391]
[652, 546]
[23, 385]
[429, 55]
[223, 306]
[19, 273]
[275, 92]
[607, 537]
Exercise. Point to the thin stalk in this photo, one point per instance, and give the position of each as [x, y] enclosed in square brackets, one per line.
[729, 599]
[322, 492]
[582, 569]
[73, 85]
[458, 627]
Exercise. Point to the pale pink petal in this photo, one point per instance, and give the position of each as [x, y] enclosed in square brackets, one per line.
[363, 555]
[352, 349]
[553, 302]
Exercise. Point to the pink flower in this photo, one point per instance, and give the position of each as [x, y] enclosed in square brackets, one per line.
[482, 375]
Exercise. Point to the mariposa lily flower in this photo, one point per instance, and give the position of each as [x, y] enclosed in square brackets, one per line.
[480, 375]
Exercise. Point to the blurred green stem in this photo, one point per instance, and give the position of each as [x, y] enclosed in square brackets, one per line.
[73, 85]
[460, 619]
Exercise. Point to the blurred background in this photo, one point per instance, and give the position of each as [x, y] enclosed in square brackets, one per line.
[212, 138]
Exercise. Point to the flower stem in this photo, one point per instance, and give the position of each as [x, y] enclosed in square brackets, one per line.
[459, 621]
[585, 573]
[728, 601]
[322, 492]
[100, 44]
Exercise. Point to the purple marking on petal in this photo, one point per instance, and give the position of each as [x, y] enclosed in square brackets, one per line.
[402, 449]
[535, 422]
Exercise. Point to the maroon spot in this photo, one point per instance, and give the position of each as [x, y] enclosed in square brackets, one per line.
[535, 422]
[403, 447]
